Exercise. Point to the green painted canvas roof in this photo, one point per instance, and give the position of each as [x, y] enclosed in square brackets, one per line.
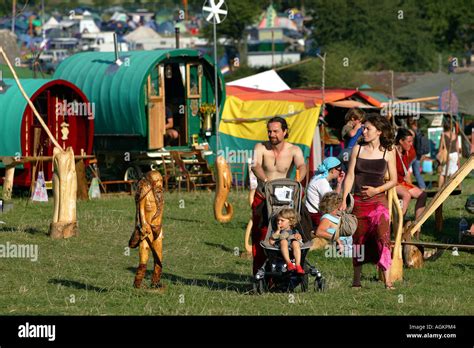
[12, 108]
[118, 93]
[431, 84]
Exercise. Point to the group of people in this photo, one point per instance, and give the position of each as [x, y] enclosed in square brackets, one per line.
[378, 160]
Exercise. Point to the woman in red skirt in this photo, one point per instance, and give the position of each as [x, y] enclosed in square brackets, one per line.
[370, 160]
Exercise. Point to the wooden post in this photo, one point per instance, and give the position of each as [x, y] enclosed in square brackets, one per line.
[82, 187]
[8, 182]
[396, 270]
[64, 223]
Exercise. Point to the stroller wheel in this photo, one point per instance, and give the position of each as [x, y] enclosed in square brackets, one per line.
[259, 286]
[320, 284]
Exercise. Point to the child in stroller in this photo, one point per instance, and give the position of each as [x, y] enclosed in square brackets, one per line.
[287, 237]
[278, 271]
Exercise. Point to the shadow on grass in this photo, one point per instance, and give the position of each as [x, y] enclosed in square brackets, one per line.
[464, 267]
[231, 281]
[30, 230]
[76, 285]
[184, 220]
[220, 246]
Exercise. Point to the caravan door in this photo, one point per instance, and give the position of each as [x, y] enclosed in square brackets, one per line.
[156, 108]
[193, 98]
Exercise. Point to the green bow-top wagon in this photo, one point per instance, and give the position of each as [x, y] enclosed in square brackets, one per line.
[64, 109]
[134, 99]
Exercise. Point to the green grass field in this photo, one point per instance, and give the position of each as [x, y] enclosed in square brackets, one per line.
[92, 274]
[23, 73]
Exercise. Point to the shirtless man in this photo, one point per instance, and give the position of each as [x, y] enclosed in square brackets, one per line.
[273, 159]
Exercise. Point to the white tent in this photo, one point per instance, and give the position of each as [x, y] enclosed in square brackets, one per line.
[142, 34]
[268, 81]
[88, 25]
[146, 38]
[51, 24]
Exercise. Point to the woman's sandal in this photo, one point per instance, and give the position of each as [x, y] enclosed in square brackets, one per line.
[389, 287]
[358, 286]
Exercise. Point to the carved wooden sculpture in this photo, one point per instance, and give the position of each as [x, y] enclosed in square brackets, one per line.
[148, 233]
[8, 182]
[396, 270]
[248, 230]
[224, 182]
[64, 223]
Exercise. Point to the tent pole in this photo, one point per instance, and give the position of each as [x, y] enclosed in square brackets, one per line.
[13, 15]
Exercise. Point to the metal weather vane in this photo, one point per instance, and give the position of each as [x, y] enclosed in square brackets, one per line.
[215, 11]
[212, 12]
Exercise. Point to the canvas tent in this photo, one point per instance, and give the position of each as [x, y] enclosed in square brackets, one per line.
[51, 24]
[87, 24]
[434, 84]
[267, 81]
[270, 19]
[144, 37]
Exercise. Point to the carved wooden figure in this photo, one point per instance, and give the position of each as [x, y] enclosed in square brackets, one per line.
[64, 223]
[148, 234]
[224, 182]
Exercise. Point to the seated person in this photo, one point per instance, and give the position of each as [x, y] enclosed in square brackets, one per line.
[171, 134]
[329, 224]
[286, 234]
[405, 189]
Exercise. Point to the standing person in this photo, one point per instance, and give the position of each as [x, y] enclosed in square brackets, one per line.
[422, 147]
[405, 189]
[367, 167]
[273, 159]
[450, 140]
[329, 170]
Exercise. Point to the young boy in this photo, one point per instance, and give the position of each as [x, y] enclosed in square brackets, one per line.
[287, 235]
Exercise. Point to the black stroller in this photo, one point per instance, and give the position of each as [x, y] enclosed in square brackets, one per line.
[273, 275]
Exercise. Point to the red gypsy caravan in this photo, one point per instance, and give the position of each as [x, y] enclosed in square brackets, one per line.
[63, 107]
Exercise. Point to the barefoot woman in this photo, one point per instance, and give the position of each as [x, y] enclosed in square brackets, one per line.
[368, 164]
